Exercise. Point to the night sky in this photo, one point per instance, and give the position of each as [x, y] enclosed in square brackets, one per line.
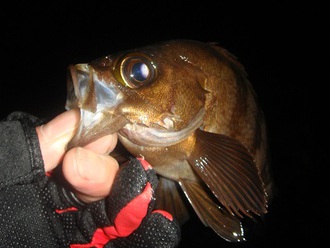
[39, 41]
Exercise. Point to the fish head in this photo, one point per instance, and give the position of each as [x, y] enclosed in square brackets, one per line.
[149, 94]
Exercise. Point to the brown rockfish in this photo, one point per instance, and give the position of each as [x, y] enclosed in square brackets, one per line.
[189, 109]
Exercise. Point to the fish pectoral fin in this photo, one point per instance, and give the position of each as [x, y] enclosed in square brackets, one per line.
[168, 198]
[229, 170]
[212, 215]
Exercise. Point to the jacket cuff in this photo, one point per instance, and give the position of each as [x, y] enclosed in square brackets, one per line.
[20, 155]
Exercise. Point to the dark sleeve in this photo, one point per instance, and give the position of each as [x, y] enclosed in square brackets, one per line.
[27, 216]
[20, 155]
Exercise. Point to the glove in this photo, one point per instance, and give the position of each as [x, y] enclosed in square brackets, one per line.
[131, 220]
[39, 210]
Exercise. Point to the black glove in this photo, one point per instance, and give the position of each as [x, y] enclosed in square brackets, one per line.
[131, 221]
[39, 211]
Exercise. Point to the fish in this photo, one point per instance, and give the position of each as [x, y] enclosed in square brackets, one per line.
[189, 108]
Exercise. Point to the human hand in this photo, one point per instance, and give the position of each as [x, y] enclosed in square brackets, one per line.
[89, 169]
[128, 215]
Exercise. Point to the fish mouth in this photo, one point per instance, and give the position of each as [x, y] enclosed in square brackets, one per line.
[97, 102]
[92, 127]
[148, 136]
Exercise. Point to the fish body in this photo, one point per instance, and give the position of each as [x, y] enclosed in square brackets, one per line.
[189, 109]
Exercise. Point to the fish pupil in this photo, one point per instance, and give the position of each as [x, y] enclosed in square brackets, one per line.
[140, 72]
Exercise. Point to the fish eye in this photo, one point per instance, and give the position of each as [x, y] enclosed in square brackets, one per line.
[137, 70]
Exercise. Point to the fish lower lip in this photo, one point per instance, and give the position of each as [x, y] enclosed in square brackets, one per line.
[94, 126]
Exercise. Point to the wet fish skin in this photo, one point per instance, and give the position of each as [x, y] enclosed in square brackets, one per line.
[193, 114]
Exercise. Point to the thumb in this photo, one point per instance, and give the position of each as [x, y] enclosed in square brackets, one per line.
[54, 136]
[89, 173]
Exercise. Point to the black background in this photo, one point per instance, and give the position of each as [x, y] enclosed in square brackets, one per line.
[39, 41]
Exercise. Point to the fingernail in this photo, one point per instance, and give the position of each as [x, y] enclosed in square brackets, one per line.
[90, 165]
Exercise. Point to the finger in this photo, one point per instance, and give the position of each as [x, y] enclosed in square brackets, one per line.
[54, 136]
[103, 145]
[89, 173]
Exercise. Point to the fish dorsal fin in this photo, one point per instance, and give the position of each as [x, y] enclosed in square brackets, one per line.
[168, 198]
[229, 170]
[212, 215]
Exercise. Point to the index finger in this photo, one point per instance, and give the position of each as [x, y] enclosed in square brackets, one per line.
[54, 136]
